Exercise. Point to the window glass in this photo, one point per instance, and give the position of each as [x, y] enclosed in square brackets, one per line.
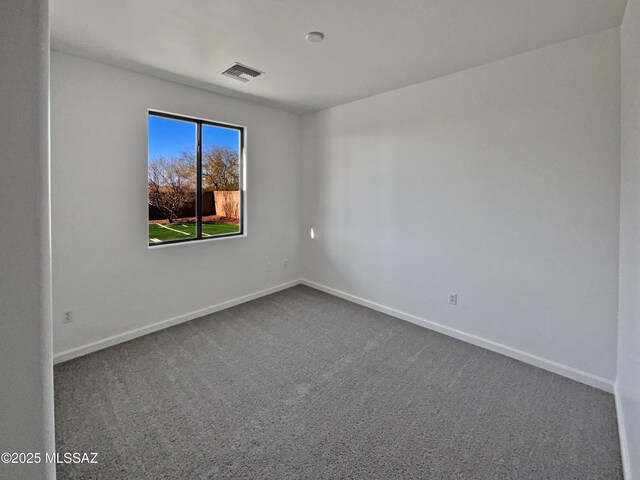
[220, 180]
[194, 179]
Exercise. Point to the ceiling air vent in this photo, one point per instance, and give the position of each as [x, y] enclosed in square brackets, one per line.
[241, 72]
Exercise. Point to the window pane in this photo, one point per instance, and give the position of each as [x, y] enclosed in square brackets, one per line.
[172, 179]
[221, 201]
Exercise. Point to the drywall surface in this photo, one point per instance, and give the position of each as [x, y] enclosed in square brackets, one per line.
[103, 269]
[26, 370]
[500, 183]
[628, 380]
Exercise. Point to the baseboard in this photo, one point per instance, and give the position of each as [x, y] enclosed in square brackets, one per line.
[154, 327]
[550, 365]
[622, 434]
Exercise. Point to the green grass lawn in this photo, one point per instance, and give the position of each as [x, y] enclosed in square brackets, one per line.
[183, 231]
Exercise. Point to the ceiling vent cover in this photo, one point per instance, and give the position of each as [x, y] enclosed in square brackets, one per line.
[241, 72]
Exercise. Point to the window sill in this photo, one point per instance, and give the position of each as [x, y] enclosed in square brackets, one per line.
[155, 246]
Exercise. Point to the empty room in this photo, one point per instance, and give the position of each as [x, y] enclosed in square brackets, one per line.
[320, 239]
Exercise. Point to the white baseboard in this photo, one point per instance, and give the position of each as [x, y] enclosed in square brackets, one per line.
[550, 365]
[622, 434]
[154, 327]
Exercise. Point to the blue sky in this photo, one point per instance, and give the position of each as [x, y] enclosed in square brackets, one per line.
[169, 137]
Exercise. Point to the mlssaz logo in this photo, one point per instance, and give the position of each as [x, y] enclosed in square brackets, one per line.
[72, 457]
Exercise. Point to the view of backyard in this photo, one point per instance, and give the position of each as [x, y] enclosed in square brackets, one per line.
[159, 232]
[173, 179]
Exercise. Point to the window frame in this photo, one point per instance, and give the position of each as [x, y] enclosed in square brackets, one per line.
[199, 122]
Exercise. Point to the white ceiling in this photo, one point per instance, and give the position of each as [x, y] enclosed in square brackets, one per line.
[371, 46]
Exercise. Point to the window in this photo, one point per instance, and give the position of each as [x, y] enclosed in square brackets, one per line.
[194, 179]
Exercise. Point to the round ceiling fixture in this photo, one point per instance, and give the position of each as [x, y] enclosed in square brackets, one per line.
[315, 37]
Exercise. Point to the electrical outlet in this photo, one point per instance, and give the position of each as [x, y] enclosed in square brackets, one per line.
[67, 316]
[453, 298]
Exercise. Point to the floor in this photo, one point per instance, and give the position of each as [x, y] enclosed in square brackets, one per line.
[303, 385]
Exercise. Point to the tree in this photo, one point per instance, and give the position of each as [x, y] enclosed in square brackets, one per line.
[220, 169]
[171, 185]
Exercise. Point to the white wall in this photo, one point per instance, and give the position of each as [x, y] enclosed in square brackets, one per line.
[500, 183]
[26, 371]
[628, 380]
[102, 267]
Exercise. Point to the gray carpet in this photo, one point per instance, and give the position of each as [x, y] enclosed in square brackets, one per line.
[303, 385]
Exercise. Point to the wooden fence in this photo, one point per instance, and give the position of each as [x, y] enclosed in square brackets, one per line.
[223, 203]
